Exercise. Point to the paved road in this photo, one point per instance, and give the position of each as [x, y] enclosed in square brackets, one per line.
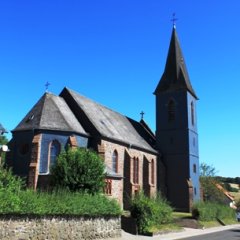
[231, 234]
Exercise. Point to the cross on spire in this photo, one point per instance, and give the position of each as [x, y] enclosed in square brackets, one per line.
[174, 19]
[47, 85]
[142, 114]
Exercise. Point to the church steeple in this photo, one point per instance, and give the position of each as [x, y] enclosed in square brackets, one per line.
[176, 131]
[175, 76]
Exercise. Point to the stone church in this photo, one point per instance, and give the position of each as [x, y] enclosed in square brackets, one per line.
[135, 157]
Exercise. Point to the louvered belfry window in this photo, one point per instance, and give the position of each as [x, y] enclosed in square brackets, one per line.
[192, 113]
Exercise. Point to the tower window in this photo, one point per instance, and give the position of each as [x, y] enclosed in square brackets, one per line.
[192, 113]
[54, 150]
[115, 161]
[171, 111]
[194, 168]
[135, 170]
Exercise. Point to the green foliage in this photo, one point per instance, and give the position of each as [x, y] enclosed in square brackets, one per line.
[14, 199]
[79, 170]
[3, 140]
[208, 183]
[10, 187]
[61, 203]
[150, 212]
[235, 180]
[207, 211]
[207, 170]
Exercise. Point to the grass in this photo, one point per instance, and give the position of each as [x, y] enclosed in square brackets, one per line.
[172, 226]
[164, 228]
[210, 224]
[177, 215]
[236, 195]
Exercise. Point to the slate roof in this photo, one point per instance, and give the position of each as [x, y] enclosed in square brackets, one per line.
[175, 75]
[51, 113]
[109, 123]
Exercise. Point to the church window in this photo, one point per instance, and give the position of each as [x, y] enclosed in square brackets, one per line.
[192, 113]
[54, 150]
[152, 172]
[135, 170]
[108, 187]
[115, 161]
[171, 111]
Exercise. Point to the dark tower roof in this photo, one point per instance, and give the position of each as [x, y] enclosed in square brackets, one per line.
[175, 76]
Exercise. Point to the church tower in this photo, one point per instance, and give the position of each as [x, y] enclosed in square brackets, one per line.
[176, 131]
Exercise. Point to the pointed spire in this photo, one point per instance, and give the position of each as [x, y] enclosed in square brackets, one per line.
[175, 75]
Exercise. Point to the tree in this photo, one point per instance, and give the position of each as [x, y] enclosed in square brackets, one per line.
[209, 184]
[207, 170]
[79, 170]
[3, 140]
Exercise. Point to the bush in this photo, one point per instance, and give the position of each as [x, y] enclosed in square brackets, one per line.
[79, 170]
[150, 212]
[207, 211]
[10, 187]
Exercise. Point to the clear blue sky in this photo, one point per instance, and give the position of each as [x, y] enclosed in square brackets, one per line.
[114, 52]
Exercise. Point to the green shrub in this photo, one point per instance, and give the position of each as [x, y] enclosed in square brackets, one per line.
[207, 211]
[150, 212]
[10, 187]
[79, 170]
[62, 203]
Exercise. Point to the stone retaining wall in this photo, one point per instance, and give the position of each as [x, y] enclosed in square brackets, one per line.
[58, 228]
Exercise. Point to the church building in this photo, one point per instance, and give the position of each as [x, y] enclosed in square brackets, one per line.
[135, 157]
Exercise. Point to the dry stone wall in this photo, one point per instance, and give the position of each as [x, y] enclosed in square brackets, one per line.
[58, 228]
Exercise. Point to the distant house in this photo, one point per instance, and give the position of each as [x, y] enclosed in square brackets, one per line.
[228, 197]
[135, 157]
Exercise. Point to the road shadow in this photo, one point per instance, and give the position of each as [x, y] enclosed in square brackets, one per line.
[235, 230]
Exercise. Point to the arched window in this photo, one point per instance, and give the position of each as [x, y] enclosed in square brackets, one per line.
[115, 161]
[171, 110]
[54, 150]
[135, 170]
[192, 113]
[152, 172]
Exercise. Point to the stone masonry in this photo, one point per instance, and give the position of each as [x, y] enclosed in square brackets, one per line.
[52, 228]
